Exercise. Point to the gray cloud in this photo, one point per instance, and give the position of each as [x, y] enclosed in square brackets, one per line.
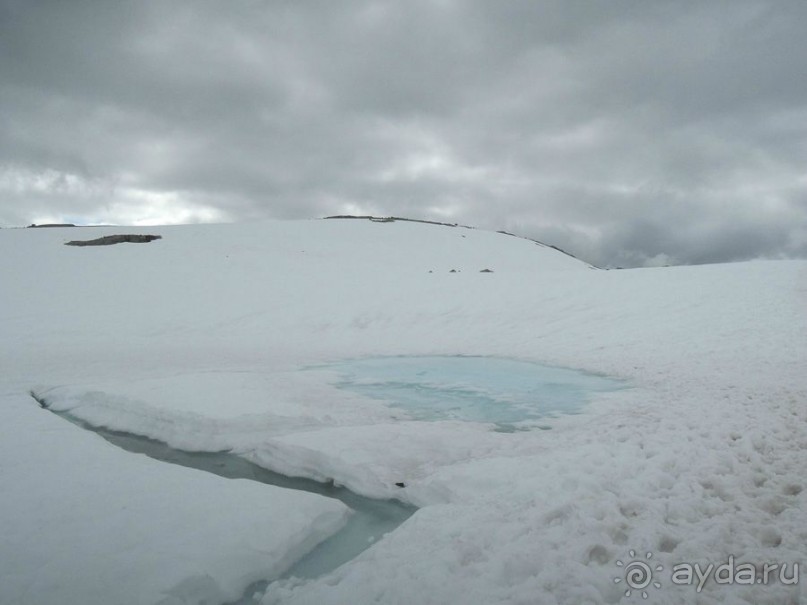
[629, 133]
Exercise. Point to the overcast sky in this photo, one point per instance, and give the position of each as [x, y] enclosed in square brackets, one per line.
[628, 132]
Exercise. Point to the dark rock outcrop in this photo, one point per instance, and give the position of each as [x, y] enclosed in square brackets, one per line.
[108, 240]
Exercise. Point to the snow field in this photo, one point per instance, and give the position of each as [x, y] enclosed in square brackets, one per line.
[199, 340]
[85, 522]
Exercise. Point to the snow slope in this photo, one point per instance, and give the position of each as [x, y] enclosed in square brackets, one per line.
[199, 339]
[85, 522]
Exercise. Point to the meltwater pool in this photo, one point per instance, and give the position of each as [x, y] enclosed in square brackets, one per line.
[512, 394]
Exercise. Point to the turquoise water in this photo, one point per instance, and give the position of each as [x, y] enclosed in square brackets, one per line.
[512, 394]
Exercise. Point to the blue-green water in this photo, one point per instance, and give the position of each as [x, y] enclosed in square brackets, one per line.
[511, 394]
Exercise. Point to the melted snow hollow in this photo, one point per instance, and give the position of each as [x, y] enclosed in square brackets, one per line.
[508, 393]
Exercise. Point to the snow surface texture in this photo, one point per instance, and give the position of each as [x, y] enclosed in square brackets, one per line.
[84, 522]
[199, 339]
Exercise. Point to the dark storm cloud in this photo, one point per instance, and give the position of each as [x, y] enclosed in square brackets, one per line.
[627, 132]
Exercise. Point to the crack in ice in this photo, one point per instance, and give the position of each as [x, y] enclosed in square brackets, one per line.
[372, 518]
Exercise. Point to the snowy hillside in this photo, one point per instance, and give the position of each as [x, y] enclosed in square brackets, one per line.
[222, 338]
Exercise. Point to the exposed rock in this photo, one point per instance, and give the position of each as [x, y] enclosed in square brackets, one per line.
[108, 240]
[392, 219]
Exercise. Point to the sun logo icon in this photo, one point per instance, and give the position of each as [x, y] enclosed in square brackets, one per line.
[638, 574]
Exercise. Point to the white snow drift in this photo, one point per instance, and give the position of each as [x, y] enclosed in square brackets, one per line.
[199, 339]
